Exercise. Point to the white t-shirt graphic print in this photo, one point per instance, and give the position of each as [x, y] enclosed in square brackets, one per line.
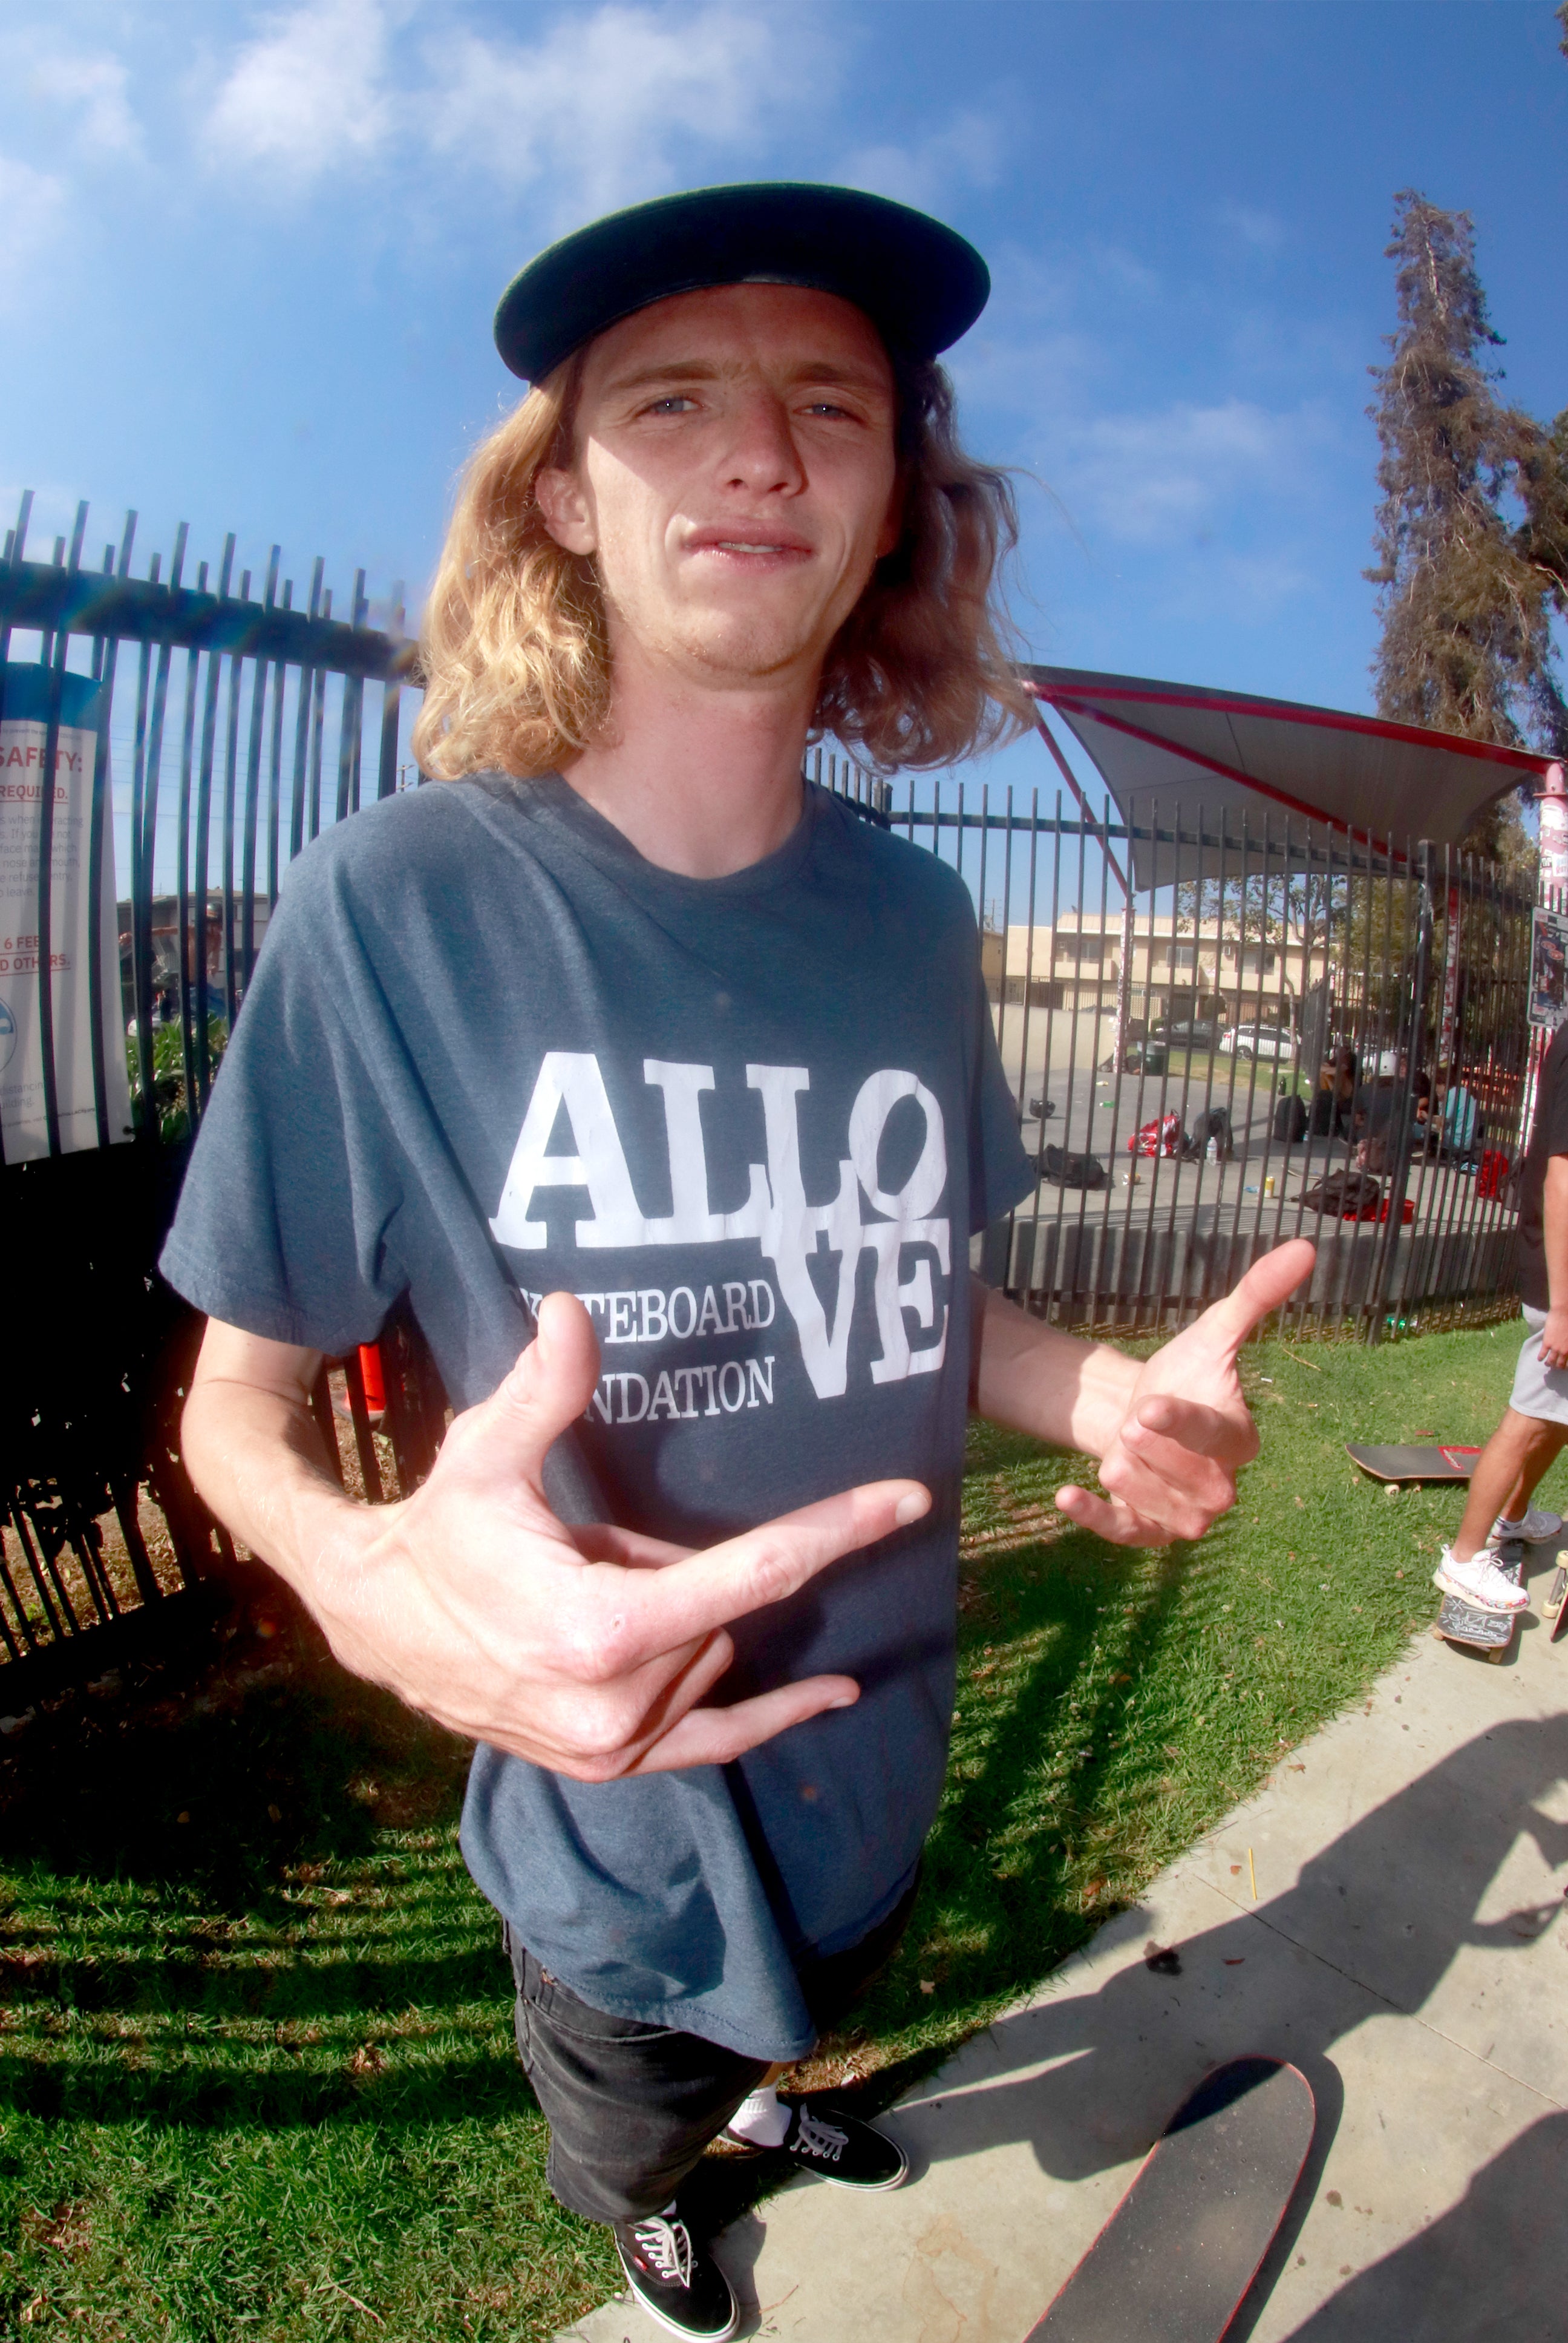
[789, 1230]
[491, 1052]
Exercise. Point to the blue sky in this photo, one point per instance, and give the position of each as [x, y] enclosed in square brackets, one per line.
[249, 257]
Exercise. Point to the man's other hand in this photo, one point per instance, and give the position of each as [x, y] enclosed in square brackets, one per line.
[589, 1651]
[1171, 1467]
[1554, 1336]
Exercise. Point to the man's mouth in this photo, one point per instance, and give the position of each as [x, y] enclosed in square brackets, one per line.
[711, 541]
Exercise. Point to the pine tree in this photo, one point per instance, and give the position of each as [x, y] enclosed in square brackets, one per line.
[1467, 596]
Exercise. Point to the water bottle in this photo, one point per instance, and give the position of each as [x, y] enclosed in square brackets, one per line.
[1213, 1150]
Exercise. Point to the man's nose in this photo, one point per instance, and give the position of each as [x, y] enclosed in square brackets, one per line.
[761, 454]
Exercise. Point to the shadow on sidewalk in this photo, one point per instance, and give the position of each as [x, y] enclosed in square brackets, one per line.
[1494, 2269]
[1370, 1928]
[1384, 1909]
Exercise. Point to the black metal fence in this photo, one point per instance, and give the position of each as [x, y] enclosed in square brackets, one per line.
[167, 742]
[169, 745]
[1295, 1032]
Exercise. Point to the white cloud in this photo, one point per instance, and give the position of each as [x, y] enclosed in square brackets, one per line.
[309, 93]
[1167, 478]
[94, 87]
[968, 152]
[611, 105]
[32, 207]
[600, 107]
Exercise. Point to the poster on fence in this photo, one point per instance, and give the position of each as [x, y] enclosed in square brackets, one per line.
[1548, 969]
[24, 748]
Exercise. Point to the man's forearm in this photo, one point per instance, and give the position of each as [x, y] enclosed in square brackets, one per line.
[257, 1459]
[1033, 1378]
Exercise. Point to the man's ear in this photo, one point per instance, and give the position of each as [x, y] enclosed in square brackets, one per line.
[565, 510]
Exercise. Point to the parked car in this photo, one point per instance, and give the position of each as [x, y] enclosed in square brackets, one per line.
[1190, 1033]
[1186, 1038]
[1258, 1042]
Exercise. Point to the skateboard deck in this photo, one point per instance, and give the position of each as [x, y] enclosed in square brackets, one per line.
[1490, 1632]
[1415, 1463]
[1176, 2258]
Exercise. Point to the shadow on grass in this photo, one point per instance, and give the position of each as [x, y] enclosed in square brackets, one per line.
[211, 1910]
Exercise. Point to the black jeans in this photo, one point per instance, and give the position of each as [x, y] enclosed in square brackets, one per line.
[631, 2107]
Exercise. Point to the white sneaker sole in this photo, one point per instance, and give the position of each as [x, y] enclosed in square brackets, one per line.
[863, 2188]
[825, 2172]
[1462, 1592]
[860, 2187]
[671, 2327]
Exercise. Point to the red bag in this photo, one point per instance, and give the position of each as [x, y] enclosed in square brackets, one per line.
[1406, 1211]
[1160, 1137]
[1493, 1171]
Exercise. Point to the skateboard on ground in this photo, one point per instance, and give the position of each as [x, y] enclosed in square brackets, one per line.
[1176, 2258]
[1490, 1632]
[1554, 1602]
[1415, 1463]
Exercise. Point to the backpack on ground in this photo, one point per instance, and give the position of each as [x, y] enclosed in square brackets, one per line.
[1066, 1170]
[1290, 1119]
[1345, 1195]
[1212, 1125]
[1493, 1174]
[1159, 1136]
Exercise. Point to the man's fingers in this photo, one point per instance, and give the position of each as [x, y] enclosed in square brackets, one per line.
[1161, 1427]
[546, 1391]
[603, 1542]
[655, 1610]
[1183, 1492]
[1117, 1523]
[712, 1737]
[1269, 1282]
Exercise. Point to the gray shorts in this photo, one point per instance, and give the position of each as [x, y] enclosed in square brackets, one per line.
[1538, 1391]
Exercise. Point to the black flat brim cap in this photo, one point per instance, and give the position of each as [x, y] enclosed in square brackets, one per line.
[918, 282]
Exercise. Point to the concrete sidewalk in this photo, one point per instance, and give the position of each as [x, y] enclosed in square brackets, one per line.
[1406, 1951]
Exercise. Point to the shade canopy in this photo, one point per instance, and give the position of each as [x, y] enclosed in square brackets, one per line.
[1254, 767]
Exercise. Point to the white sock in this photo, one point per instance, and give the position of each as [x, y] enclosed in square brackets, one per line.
[762, 2120]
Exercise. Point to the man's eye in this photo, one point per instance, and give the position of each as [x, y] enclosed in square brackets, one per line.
[675, 403]
[825, 407]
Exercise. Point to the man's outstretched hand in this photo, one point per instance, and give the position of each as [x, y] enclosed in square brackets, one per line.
[1171, 1462]
[589, 1651]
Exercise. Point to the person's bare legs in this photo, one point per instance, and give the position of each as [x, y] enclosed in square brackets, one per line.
[1507, 1474]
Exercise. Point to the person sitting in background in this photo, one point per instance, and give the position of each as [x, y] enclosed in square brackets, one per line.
[1460, 1121]
[1335, 1100]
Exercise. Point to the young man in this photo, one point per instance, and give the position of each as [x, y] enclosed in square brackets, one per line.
[1535, 1424]
[625, 1041]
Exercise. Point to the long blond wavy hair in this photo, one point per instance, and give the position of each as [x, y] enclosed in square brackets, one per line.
[514, 649]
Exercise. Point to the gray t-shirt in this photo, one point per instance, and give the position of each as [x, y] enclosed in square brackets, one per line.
[489, 1053]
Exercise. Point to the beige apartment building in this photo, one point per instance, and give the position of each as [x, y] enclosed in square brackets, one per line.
[1174, 971]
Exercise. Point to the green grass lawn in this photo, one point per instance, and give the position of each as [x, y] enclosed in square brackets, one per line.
[256, 2060]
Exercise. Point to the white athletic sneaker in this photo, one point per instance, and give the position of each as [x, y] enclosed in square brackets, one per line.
[1478, 1581]
[1534, 1530]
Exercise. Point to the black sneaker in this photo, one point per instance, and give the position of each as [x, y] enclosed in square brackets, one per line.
[843, 2149]
[676, 2280]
